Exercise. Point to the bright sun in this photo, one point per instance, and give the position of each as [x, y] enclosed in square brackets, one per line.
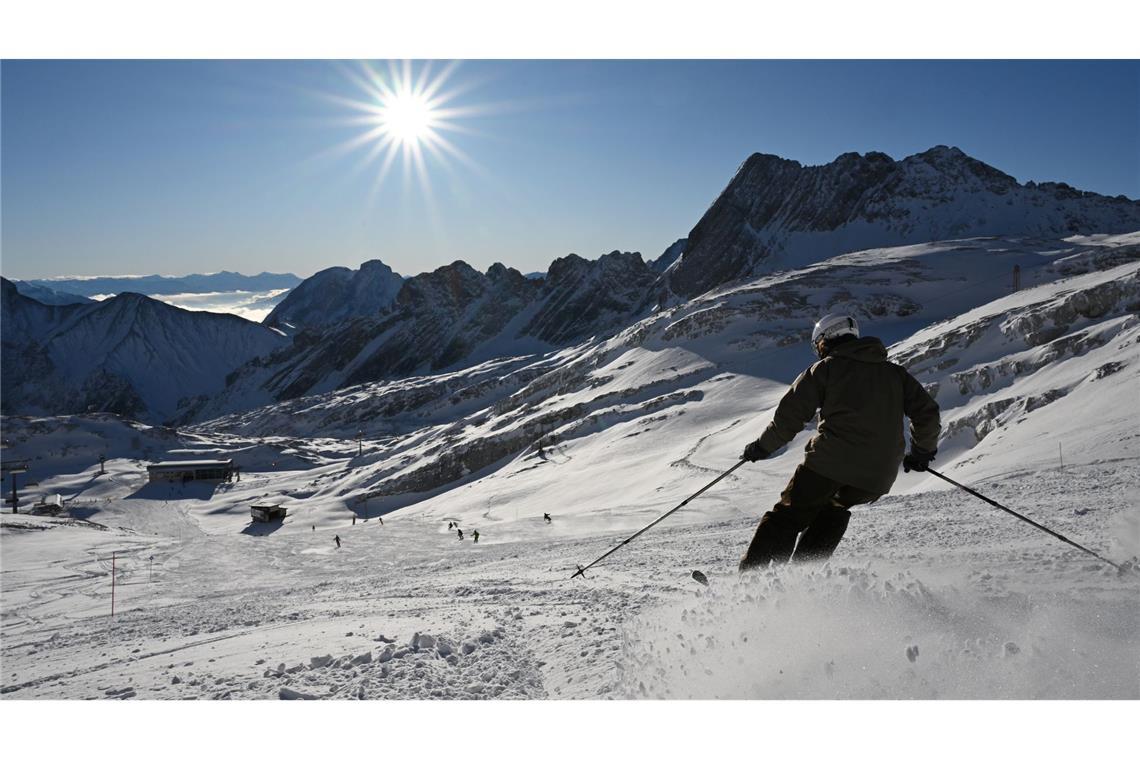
[406, 116]
[404, 113]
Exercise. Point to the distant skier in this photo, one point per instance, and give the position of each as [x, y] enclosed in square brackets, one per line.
[381, 519]
[337, 539]
[475, 536]
[854, 456]
[451, 526]
[460, 534]
[546, 516]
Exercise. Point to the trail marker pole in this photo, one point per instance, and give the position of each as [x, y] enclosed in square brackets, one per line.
[112, 584]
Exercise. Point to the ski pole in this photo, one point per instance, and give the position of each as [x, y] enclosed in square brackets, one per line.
[1053, 533]
[722, 476]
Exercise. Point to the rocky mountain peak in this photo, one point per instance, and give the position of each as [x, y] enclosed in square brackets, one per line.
[375, 266]
[956, 166]
[336, 294]
[779, 214]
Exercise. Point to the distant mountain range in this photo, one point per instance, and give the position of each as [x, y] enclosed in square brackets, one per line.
[158, 285]
[46, 295]
[342, 327]
[448, 318]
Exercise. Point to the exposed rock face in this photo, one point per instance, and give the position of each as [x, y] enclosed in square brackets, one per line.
[335, 295]
[777, 213]
[671, 255]
[1006, 347]
[452, 317]
[441, 316]
[129, 354]
[581, 298]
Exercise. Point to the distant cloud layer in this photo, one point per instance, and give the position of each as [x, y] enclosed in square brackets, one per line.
[253, 306]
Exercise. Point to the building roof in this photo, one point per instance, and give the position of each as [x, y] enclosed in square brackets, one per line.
[191, 464]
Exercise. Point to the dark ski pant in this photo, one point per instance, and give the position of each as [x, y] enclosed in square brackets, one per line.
[817, 507]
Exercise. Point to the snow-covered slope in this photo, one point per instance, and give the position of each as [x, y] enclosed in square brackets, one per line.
[932, 594]
[718, 362]
[779, 214]
[1070, 347]
[128, 354]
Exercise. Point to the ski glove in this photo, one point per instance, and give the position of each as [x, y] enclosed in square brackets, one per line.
[918, 459]
[754, 452]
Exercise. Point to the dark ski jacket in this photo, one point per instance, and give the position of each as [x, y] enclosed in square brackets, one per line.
[861, 398]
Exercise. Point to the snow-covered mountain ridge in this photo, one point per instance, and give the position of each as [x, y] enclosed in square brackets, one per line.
[46, 295]
[336, 294]
[779, 214]
[352, 327]
[129, 354]
[726, 356]
[450, 318]
[774, 215]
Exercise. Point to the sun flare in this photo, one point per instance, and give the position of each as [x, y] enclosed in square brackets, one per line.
[404, 113]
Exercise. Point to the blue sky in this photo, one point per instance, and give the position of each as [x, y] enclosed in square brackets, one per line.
[174, 167]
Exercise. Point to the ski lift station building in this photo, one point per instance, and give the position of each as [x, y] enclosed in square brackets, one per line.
[197, 469]
[267, 512]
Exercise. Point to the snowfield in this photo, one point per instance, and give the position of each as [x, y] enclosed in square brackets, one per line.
[932, 595]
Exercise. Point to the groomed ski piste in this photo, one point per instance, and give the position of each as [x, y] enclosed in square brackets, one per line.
[933, 594]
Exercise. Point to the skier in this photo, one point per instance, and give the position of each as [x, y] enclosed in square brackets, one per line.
[450, 526]
[381, 519]
[546, 516]
[475, 536]
[337, 539]
[854, 456]
[460, 533]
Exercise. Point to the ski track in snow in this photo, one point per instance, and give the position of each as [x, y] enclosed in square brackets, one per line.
[932, 595]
